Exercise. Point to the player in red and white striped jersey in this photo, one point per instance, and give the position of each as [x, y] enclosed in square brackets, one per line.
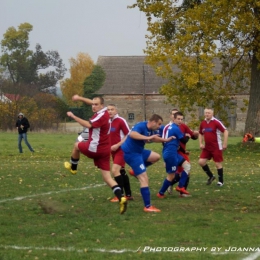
[97, 147]
[118, 132]
[211, 145]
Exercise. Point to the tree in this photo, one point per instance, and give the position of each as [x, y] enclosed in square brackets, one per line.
[91, 85]
[195, 36]
[80, 68]
[35, 69]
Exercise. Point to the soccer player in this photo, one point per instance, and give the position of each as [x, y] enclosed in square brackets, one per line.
[118, 132]
[97, 147]
[139, 158]
[182, 151]
[172, 158]
[211, 145]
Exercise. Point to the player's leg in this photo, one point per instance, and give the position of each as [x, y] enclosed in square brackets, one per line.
[136, 162]
[184, 176]
[127, 186]
[204, 157]
[115, 188]
[118, 178]
[74, 160]
[218, 159]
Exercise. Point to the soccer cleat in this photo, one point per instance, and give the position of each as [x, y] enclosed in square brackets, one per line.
[123, 205]
[220, 184]
[210, 180]
[185, 196]
[161, 196]
[129, 198]
[182, 190]
[115, 199]
[67, 165]
[169, 190]
[151, 209]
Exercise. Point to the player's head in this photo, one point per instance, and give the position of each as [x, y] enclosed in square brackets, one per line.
[173, 111]
[112, 110]
[208, 113]
[97, 104]
[155, 122]
[178, 118]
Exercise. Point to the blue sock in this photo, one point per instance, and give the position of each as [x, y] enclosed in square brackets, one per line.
[165, 186]
[145, 191]
[184, 177]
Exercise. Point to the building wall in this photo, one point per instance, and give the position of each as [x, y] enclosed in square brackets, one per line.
[156, 104]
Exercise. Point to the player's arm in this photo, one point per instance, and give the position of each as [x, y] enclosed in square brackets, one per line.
[185, 139]
[201, 141]
[116, 146]
[137, 136]
[82, 122]
[83, 99]
[225, 139]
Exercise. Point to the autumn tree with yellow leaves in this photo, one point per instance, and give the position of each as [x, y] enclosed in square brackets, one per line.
[80, 68]
[194, 36]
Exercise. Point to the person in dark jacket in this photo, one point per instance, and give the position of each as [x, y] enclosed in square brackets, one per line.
[22, 125]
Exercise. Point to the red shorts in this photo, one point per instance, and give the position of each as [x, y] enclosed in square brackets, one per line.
[101, 159]
[186, 157]
[118, 157]
[217, 155]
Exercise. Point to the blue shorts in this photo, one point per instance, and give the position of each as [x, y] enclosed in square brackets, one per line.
[172, 162]
[137, 161]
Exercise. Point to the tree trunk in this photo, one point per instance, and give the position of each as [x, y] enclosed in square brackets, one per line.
[253, 113]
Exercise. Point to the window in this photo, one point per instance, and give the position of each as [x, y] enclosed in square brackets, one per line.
[131, 116]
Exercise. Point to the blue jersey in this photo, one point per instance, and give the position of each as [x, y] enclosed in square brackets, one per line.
[136, 146]
[158, 132]
[173, 145]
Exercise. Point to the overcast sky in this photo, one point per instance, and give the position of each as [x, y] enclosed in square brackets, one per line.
[96, 27]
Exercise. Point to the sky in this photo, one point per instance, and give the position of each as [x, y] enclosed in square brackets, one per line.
[96, 27]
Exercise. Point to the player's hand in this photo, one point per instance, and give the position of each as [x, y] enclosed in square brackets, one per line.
[70, 114]
[224, 147]
[75, 97]
[202, 146]
[114, 147]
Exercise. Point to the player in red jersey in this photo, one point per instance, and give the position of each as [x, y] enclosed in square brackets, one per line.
[118, 133]
[211, 145]
[182, 150]
[97, 147]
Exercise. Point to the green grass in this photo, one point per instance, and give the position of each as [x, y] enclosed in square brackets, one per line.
[46, 213]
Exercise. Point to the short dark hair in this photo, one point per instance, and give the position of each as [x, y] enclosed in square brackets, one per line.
[155, 118]
[102, 101]
[178, 114]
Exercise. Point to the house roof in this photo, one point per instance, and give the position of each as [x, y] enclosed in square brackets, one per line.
[12, 97]
[128, 75]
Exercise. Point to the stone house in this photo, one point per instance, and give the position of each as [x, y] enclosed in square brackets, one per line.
[134, 87]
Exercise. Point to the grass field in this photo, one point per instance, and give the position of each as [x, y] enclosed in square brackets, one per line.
[46, 213]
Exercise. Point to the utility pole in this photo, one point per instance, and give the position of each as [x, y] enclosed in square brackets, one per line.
[144, 95]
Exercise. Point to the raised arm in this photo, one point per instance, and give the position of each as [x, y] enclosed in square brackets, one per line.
[83, 99]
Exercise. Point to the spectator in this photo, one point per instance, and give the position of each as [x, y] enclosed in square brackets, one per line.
[22, 125]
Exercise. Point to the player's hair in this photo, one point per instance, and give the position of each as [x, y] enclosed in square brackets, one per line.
[102, 101]
[178, 114]
[155, 118]
[209, 108]
[112, 105]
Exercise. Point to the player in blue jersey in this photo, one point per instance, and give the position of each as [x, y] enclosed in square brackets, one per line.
[139, 158]
[172, 158]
